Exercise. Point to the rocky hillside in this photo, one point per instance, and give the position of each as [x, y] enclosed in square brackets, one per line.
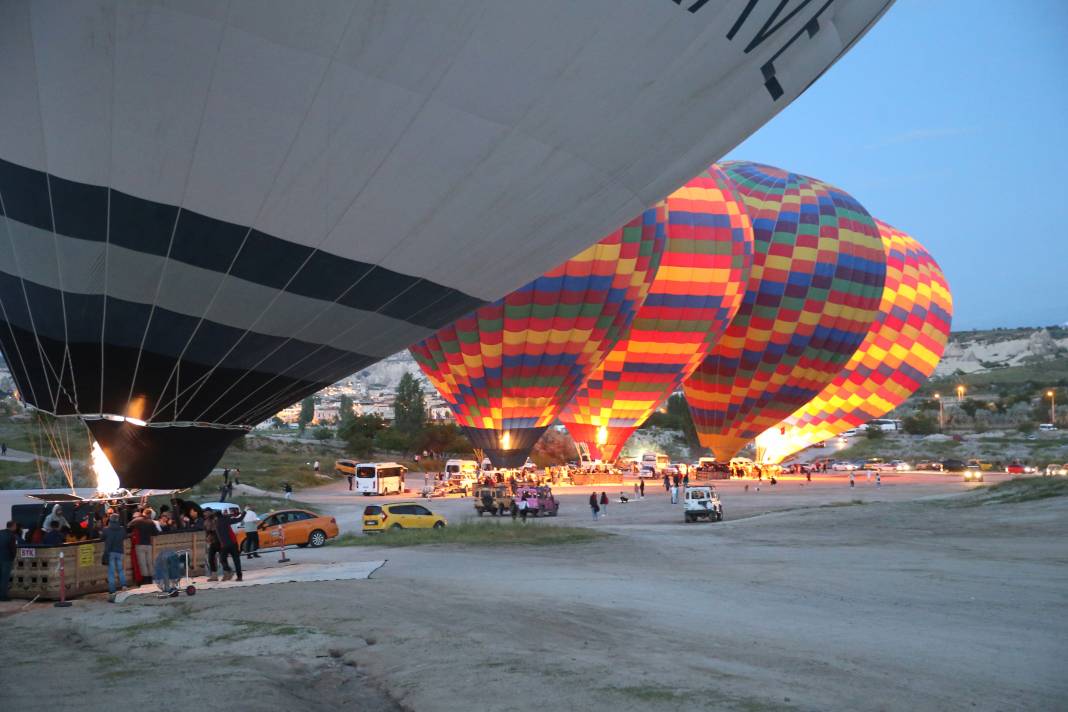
[985, 351]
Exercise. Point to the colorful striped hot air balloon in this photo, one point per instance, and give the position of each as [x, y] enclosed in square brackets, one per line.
[697, 291]
[507, 368]
[816, 282]
[898, 354]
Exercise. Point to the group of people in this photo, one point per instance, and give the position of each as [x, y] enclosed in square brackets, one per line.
[115, 521]
[599, 505]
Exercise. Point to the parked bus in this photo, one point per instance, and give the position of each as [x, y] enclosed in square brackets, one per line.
[654, 462]
[888, 424]
[379, 478]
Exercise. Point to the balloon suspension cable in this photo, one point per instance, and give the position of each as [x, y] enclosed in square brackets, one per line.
[58, 436]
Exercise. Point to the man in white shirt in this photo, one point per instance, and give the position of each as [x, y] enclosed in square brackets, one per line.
[252, 534]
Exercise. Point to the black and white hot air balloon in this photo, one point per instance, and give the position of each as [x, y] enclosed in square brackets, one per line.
[211, 210]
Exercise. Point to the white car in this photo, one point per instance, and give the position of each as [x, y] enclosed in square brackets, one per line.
[843, 466]
[1055, 470]
[702, 502]
[901, 465]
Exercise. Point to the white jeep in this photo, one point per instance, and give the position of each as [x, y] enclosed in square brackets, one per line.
[702, 502]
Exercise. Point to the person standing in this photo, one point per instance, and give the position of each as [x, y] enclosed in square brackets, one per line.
[641, 487]
[604, 503]
[674, 494]
[3, 449]
[878, 479]
[8, 544]
[146, 528]
[250, 520]
[667, 483]
[594, 506]
[852, 479]
[522, 504]
[352, 480]
[288, 489]
[224, 523]
[685, 481]
[315, 467]
[114, 552]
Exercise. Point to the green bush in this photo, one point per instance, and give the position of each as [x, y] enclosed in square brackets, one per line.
[920, 424]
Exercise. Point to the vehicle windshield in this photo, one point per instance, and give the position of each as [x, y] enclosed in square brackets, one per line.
[365, 472]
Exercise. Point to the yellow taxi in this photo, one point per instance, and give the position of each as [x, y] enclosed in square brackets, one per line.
[400, 515]
[298, 527]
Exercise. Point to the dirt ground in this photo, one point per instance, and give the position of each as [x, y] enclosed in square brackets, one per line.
[809, 597]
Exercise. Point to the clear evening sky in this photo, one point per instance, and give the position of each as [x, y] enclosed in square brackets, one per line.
[949, 121]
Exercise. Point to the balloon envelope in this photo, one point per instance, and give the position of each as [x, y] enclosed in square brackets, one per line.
[816, 282]
[899, 353]
[508, 368]
[697, 291]
[212, 210]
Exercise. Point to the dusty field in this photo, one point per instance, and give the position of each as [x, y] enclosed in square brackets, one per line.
[802, 599]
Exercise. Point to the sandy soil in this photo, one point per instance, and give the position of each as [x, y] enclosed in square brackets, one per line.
[802, 599]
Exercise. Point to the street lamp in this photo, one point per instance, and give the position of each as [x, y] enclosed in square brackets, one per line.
[941, 412]
[960, 393]
[1052, 395]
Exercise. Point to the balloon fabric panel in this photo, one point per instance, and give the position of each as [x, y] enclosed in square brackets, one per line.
[507, 368]
[898, 354]
[815, 287]
[697, 291]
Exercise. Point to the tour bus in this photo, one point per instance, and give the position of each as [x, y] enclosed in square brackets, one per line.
[656, 463]
[379, 478]
[885, 424]
[461, 472]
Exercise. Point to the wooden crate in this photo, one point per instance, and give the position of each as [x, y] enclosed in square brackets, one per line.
[36, 569]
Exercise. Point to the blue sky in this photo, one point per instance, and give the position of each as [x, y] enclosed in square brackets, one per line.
[949, 121]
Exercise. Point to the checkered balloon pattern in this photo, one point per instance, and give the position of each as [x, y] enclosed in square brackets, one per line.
[697, 291]
[898, 354]
[507, 368]
[816, 283]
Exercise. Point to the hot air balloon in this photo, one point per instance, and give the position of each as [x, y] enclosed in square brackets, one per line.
[213, 210]
[508, 368]
[899, 352]
[697, 291]
[816, 282]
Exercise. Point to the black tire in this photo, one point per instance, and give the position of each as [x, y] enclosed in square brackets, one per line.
[481, 512]
[439, 524]
[302, 546]
[396, 527]
[317, 538]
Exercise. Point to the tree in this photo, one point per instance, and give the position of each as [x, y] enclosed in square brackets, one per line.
[393, 440]
[970, 407]
[359, 433]
[874, 432]
[307, 411]
[409, 407]
[322, 433]
[345, 409]
[443, 437]
[920, 424]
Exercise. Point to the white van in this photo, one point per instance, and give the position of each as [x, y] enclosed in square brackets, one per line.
[1047, 427]
[379, 478]
[461, 472]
